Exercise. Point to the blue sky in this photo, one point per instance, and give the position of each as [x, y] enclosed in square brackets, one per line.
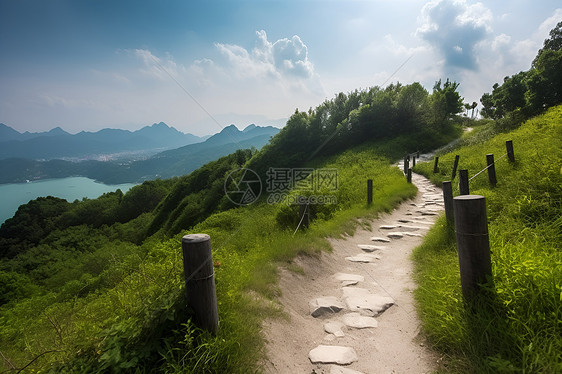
[86, 65]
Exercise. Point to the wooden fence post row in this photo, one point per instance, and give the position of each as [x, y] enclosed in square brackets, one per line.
[509, 149]
[304, 215]
[448, 200]
[200, 280]
[491, 169]
[463, 182]
[455, 165]
[471, 228]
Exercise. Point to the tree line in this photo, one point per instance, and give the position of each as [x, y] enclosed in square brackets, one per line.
[530, 92]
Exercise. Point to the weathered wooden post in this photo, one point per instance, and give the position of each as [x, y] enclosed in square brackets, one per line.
[369, 191]
[304, 214]
[473, 244]
[435, 165]
[418, 154]
[200, 280]
[448, 200]
[455, 165]
[409, 176]
[413, 161]
[491, 170]
[509, 149]
[463, 182]
[406, 165]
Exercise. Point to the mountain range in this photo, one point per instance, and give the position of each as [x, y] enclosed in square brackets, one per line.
[170, 163]
[58, 143]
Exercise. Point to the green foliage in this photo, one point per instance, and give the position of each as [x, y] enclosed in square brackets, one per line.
[100, 287]
[518, 330]
[360, 116]
[531, 92]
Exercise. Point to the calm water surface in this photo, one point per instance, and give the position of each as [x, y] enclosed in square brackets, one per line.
[13, 195]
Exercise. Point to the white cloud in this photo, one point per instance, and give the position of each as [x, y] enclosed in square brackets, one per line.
[455, 28]
[283, 59]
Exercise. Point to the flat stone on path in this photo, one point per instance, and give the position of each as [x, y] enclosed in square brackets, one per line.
[335, 369]
[404, 220]
[395, 235]
[332, 354]
[358, 321]
[412, 234]
[412, 228]
[349, 277]
[370, 248]
[369, 305]
[334, 327]
[379, 239]
[363, 257]
[387, 227]
[324, 305]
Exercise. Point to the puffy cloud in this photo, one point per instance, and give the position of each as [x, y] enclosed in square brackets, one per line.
[454, 28]
[284, 58]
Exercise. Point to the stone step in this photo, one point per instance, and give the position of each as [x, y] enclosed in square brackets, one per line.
[325, 305]
[379, 239]
[357, 321]
[369, 305]
[335, 328]
[363, 257]
[370, 248]
[332, 354]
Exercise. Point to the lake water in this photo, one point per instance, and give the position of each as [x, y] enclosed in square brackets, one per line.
[14, 195]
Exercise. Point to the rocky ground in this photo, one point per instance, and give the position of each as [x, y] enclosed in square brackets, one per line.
[353, 311]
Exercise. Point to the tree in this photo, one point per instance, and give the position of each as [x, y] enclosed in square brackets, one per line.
[445, 102]
[554, 43]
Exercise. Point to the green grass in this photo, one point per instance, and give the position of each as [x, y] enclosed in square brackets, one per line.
[519, 329]
[139, 321]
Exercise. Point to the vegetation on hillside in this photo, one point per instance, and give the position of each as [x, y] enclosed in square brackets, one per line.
[97, 285]
[519, 331]
[528, 93]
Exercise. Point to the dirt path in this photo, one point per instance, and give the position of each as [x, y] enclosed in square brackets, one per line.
[352, 290]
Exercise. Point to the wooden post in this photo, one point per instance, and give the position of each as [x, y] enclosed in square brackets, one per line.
[448, 200]
[409, 176]
[463, 182]
[418, 154]
[200, 280]
[304, 211]
[455, 165]
[473, 244]
[509, 149]
[406, 165]
[369, 191]
[491, 170]
[435, 165]
[413, 161]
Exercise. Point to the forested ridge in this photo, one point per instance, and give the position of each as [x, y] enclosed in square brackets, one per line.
[58, 254]
[96, 285]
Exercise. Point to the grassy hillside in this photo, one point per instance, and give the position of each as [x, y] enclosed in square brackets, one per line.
[141, 319]
[97, 285]
[520, 331]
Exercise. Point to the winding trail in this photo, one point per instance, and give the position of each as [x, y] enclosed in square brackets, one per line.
[353, 310]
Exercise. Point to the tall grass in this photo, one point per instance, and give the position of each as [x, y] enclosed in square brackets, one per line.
[141, 323]
[520, 330]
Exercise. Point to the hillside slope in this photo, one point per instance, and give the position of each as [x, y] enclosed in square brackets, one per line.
[519, 331]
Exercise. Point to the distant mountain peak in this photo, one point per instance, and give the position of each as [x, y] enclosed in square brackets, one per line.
[57, 131]
[249, 128]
